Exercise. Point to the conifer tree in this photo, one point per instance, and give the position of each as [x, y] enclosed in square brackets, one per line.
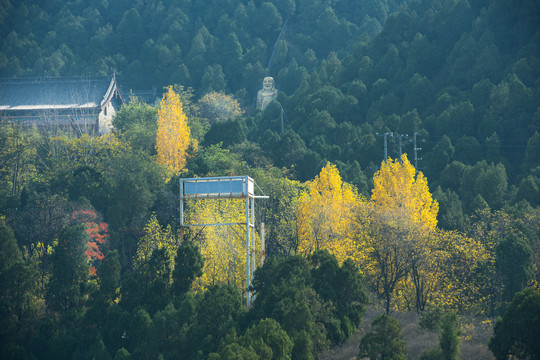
[69, 270]
[384, 341]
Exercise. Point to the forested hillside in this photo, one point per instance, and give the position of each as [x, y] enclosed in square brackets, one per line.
[93, 263]
[463, 75]
[218, 45]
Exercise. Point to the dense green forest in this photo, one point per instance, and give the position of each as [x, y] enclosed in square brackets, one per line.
[91, 259]
[463, 75]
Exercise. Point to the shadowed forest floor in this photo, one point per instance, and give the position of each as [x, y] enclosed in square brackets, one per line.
[475, 334]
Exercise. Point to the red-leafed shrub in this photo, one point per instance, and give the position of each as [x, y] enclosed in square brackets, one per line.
[98, 234]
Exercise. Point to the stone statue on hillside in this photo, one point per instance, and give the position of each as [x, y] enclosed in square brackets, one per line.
[267, 93]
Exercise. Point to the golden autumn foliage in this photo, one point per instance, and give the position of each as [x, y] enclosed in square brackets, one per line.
[325, 213]
[455, 268]
[393, 238]
[173, 135]
[223, 248]
[397, 189]
[442, 269]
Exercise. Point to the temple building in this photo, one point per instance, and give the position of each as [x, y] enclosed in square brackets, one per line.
[80, 104]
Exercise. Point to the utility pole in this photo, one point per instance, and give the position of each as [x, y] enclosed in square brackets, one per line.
[401, 136]
[386, 134]
[416, 149]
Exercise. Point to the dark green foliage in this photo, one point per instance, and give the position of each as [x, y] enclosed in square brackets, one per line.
[19, 284]
[113, 327]
[217, 313]
[69, 270]
[517, 332]
[487, 180]
[529, 189]
[9, 251]
[235, 351]
[478, 204]
[441, 156]
[514, 263]
[430, 319]
[214, 161]
[228, 133]
[149, 284]
[54, 340]
[137, 123]
[447, 325]
[449, 336]
[279, 211]
[384, 341]
[293, 274]
[316, 302]
[531, 153]
[343, 285]
[268, 340]
[138, 334]
[450, 214]
[87, 182]
[129, 198]
[122, 354]
[109, 274]
[468, 150]
[99, 351]
[451, 176]
[188, 266]
[42, 218]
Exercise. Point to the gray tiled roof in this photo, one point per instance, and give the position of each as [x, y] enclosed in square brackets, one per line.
[41, 93]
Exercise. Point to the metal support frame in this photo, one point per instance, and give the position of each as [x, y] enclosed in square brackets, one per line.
[226, 188]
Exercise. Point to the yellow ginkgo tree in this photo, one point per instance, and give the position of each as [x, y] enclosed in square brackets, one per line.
[402, 216]
[223, 248]
[173, 135]
[398, 189]
[325, 215]
[393, 237]
[411, 259]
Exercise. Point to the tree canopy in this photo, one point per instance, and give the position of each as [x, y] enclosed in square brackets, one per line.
[373, 101]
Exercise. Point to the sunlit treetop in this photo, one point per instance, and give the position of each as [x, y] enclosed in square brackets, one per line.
[398, 189]
[173, 134]
[325, 213]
